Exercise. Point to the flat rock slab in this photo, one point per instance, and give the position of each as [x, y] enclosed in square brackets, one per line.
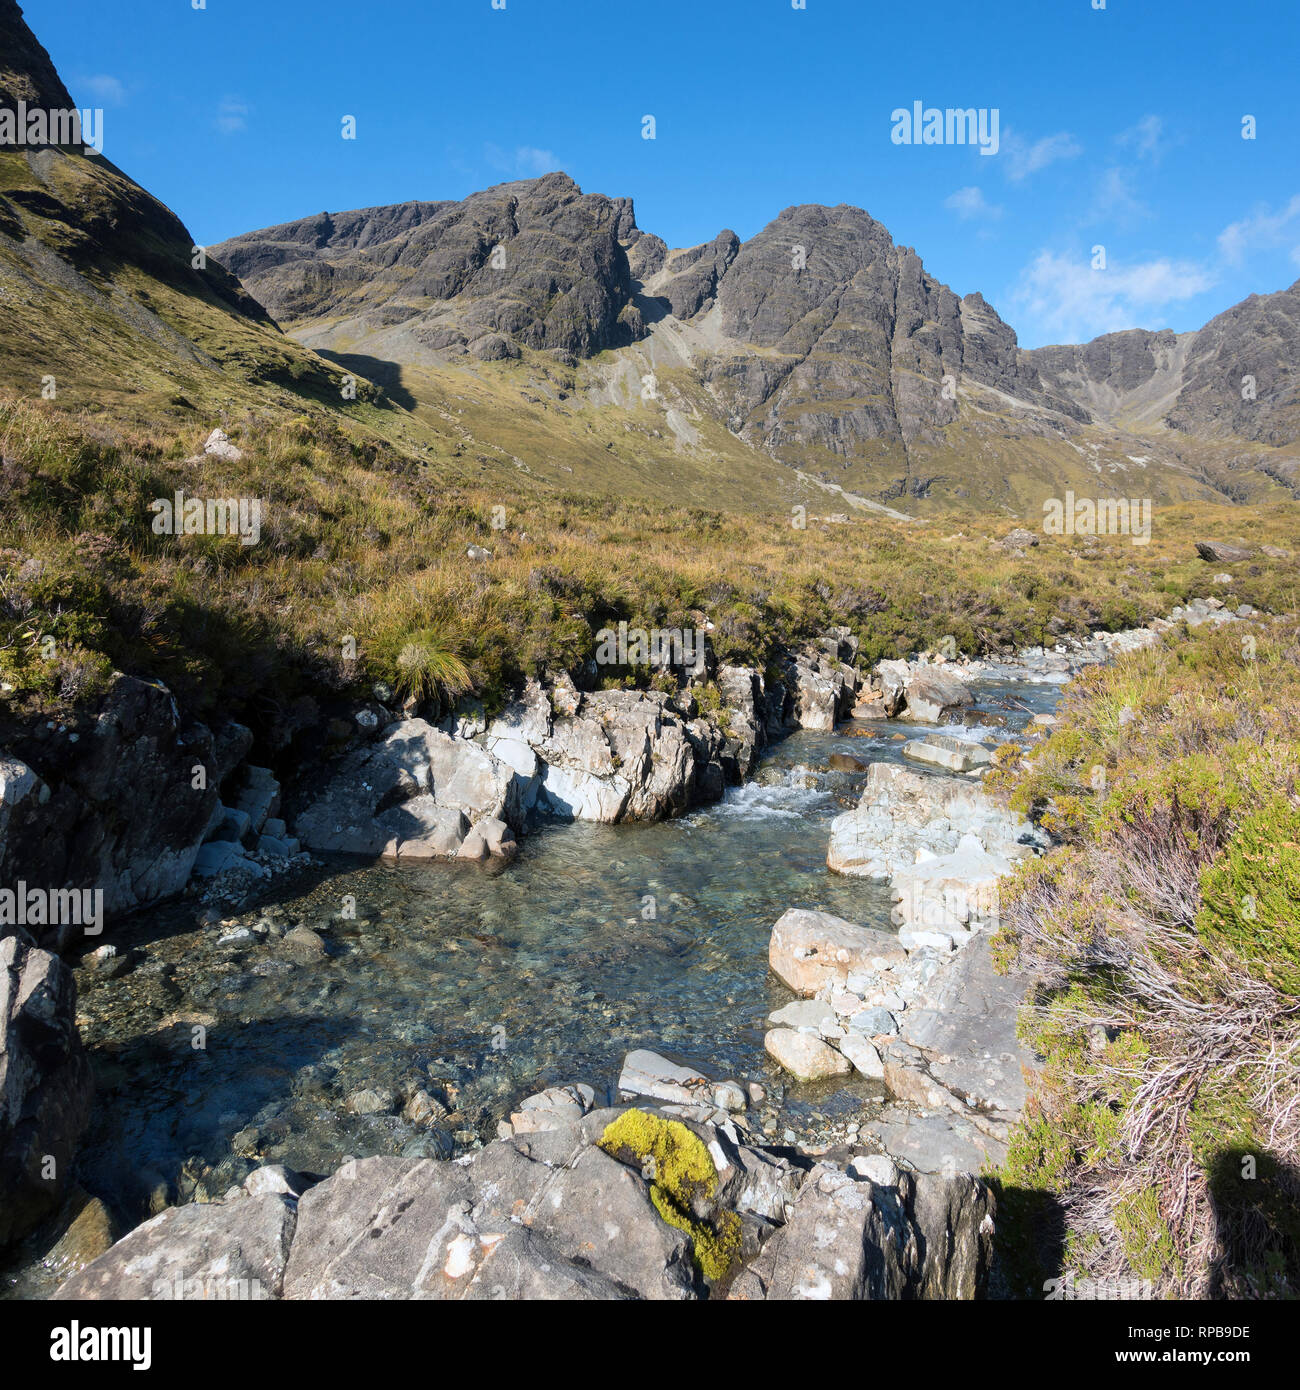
[941, 1142]
[966, 1026]
[506, 1225]
[809, 949]
[646, 1073]
[805, 1014]
[954, 754]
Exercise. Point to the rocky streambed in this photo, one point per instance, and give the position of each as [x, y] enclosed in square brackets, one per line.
[407, 1011]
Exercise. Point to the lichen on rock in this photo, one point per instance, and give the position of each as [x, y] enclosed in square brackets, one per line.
[683, 1184]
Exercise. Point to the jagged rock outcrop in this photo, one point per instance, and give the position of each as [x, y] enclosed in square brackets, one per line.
[1236, 377]
[122, 808]
[855, 339]
[819, 341]
[45, 1083]
[535, 262]
[608, 755]
[849, 1239]
[688, 280]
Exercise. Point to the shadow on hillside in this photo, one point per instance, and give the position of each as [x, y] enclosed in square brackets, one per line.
[1028, 1244]
[385, 374]
[1256, 1204]
[653, 308]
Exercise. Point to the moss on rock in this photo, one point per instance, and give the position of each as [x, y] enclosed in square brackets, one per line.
[683, 1184]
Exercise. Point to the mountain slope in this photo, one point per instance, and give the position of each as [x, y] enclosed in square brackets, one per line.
[820, 344]
[98, 286]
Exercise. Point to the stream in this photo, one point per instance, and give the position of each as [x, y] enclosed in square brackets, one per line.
[227, 1046]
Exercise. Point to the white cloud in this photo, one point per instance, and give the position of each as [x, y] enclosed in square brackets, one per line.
[1070, 302]
[106, 90]
[970, 203]
[1115, 200]
[524, 161]
[1146, 139]
[1023, 158]
[1263, 230]
[232, 115]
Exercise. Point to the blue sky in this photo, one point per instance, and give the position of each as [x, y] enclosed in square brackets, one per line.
[1118, 128]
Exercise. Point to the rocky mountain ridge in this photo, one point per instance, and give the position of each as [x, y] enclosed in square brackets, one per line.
[819, 341]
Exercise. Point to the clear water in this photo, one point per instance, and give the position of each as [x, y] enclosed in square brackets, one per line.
[480, 987]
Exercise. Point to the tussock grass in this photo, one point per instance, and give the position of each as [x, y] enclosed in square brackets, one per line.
[361, 539]
[1166, 933]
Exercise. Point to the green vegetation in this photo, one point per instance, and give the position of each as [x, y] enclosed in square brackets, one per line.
[360, 539]
[684, 1184]
[1166, 933]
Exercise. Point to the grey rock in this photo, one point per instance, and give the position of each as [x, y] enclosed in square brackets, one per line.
[933, 693]
[952, 754]
[851, 1239]
[809, 950]
[646, 1073]
[803, 1055]
[1220, 553]
[217, 1251]
[45, 1084]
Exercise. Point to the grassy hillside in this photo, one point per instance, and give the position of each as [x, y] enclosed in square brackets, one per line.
[1164, 1141]
[365, 540]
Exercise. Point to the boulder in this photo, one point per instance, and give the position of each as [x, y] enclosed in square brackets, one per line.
[421, 829]
[88, 1233]
[863, 1056]
[553, 1108]
[809, 950]
[409, 785]
[235, 1249]
[502, 1225]
[628, 756]
[45, 1084]
[742, 691]
[952, 754]
[804, 1055]
[1220, 553]
[893, 677]
[816, 697]
[489, 839]
[218, 445]
[471, 779]
[848, 1238]
[116, 809]
[932, 694]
